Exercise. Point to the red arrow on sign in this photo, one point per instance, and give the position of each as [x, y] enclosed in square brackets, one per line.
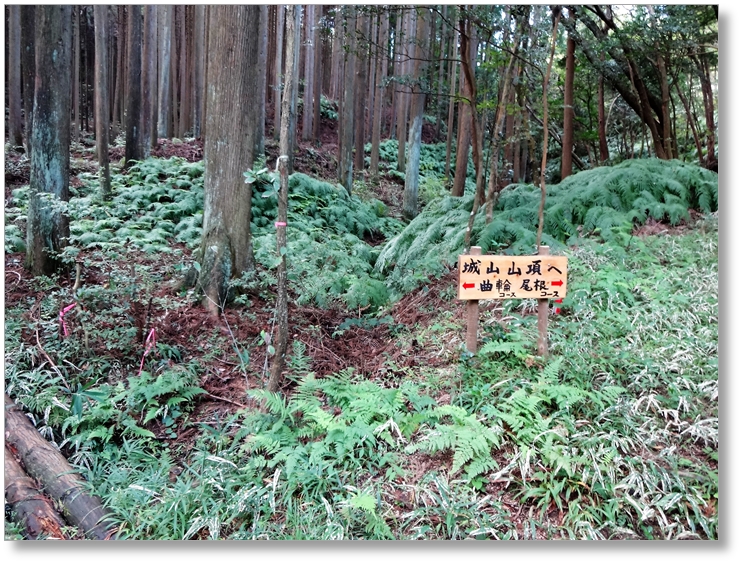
[467, 286]
[557, 283]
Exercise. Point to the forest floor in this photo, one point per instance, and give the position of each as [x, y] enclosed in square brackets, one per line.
[382, 352]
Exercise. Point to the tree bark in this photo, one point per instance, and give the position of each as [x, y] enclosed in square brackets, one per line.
[451, 105]
[282, 321]
[360, 89]
[199, 55]
[317, 70]
[134, 150]
[76, 56]
[45, 463]
[277, 82]
[545, 146]
[149, 79]
[467, 70]
[569, 81]
[226, 248]
[15, 126]
[463, 138]
[28, 67]
[345, 160]
[102, 120]
[403, 97]
[308, 96]
[47, 227]
[32, 509]
[164, 22]
[379, 98]
[412, 173]
[294, 92]
[262, 77]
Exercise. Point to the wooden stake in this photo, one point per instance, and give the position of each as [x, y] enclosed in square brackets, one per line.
[543, 317]
[472, 315]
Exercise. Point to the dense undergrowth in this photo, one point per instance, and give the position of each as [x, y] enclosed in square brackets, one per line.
[615, 436]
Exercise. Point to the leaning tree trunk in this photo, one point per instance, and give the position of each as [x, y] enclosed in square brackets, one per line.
[226, 248]
[46, 464]
[47, 227]
[101, 97]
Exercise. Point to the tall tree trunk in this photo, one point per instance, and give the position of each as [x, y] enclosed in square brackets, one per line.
[149, 79]
[468, 50]
[404, 96]
[412, 175]
[360, 89]
[184, 112]
[134, 144]
[444, 38]
[308, 112]
[282, 318]
[506, 99]
[278, 81]
[379, 98]
[396, 69]
[102, 119]
[317, 70]
[345, 160]
[15, 126]
[199, 56]
[337, 55]
[47, 227]
[164, 32]
[294, 92]
[226, 248]
[76, 73]
[262, 78]
[175, 97]
[569, 112]
[451, 104]
[545, 146]
[371, 82]
[28, 66]
[463, 138]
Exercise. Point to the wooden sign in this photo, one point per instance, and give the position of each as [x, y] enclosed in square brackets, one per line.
[494, 277]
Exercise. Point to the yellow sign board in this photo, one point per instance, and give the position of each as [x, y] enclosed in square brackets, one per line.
[491, 277]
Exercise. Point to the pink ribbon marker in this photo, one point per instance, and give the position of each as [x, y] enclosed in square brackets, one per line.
[62, 312]
[280, 224]
[148, 346]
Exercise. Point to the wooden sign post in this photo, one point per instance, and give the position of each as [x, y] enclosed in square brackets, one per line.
[496, 277]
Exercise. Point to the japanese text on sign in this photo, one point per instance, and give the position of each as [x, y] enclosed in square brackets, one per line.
[490, 277]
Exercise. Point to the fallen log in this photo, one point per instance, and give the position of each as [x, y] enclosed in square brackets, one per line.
[58, 479]
[32, 510]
